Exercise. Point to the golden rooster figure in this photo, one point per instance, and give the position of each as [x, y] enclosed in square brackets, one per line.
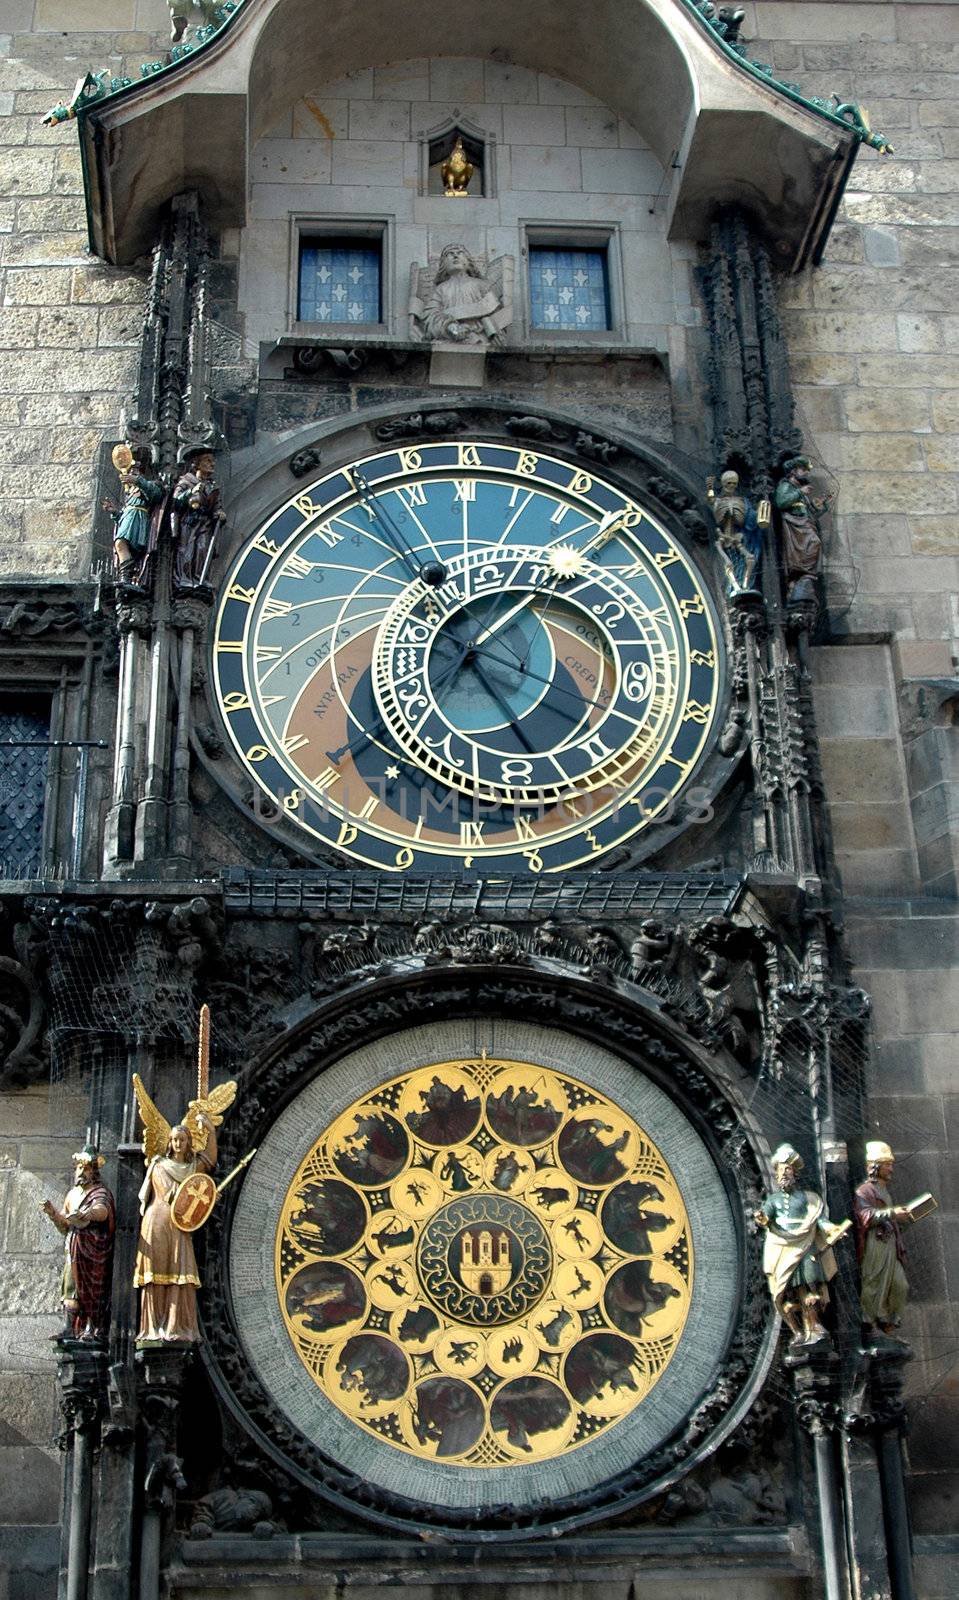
[456, 171]
[166, 1270]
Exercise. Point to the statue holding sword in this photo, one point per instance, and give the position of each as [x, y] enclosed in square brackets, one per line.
[177, 1197]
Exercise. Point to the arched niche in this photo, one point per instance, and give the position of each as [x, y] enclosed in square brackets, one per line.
[720, 134]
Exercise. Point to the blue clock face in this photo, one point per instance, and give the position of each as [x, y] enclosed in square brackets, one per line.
[467, 655]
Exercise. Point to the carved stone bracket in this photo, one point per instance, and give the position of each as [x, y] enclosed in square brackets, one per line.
[81, 1389]
[160, 1373]
[877, 1396]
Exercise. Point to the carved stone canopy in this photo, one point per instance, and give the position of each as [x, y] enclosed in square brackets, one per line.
[723, 134]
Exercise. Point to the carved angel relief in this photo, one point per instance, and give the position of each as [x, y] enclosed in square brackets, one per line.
[459, 300]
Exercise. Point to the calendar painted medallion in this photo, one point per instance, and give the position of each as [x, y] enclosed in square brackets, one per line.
[480, 1263]
[484, 1262]
[468, 655]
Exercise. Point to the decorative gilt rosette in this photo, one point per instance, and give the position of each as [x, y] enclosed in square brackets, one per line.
[484, 1263]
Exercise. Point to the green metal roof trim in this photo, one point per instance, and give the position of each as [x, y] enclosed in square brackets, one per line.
[96, 87]
[722, 27]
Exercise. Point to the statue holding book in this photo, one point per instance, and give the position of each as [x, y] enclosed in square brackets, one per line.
[884, 1287]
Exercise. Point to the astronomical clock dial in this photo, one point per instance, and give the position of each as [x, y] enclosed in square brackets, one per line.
[467, 654]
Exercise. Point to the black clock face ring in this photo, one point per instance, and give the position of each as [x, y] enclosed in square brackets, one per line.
[467, 655]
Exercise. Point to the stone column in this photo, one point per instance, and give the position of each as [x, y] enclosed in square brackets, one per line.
[750, 628]
[81, 1383]
[152, 811]
[160, 1375]
[133, 620]
[873, 1463]
[189, 619]
[816, 1380]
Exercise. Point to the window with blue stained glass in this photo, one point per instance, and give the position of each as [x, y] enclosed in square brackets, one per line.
[339, 281]
[24, 754]
[568, 288]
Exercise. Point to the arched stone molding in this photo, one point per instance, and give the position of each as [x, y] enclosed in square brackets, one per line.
[722, 136]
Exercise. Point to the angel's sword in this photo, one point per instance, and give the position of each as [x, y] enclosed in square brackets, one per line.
[203, 1055]
[238, 1168]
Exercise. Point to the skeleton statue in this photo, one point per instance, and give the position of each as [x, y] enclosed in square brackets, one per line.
[739, 527]
[458, 301]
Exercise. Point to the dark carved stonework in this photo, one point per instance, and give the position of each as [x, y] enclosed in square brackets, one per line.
[752, 401]
[304, 461]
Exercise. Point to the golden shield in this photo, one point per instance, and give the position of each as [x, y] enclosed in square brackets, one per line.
[194, 1200]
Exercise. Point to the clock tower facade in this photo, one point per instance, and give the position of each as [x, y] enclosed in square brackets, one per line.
[443, 722]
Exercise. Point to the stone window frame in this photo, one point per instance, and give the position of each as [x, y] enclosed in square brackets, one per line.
[377, 229]
[450, 124]
[576, 236]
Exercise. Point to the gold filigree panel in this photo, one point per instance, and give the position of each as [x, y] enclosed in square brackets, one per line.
[484, 1262]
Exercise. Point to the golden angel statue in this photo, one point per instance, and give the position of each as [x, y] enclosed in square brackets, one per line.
[176, 1197]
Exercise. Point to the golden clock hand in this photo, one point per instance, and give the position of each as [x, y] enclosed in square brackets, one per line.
[603, 531]
[499, 623]
[432, 573]
[599, 537]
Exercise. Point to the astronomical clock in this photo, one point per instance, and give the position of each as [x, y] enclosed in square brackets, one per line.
[488, 1259]
[468, 656]
[445, 727]
[500, 1276]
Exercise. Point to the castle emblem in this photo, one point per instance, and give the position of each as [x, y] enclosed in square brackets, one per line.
[484, 1261]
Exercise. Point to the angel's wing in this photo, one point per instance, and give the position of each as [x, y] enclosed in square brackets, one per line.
[216, 1103]
[156, 1129]
[421, 285]
[500, 272]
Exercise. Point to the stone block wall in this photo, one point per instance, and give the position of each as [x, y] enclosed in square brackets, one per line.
[34, 1166]
[874, 341]
[864, 769]
[69, 325]
[561, 159]
[906, 955]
